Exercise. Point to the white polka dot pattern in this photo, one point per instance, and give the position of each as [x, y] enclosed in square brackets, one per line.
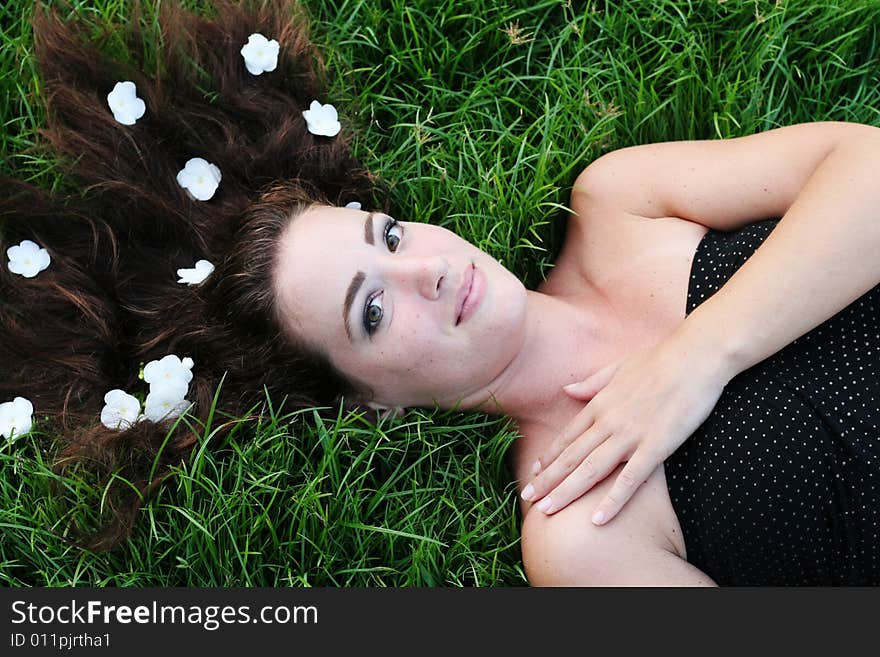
[780, 486]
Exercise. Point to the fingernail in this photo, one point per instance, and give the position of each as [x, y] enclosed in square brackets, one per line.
[569, 387]
[598, 517]
[536, 468]
[528, 493]
[544, 505]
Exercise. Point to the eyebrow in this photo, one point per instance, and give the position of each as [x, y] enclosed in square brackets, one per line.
[368, 229]
[358, 280]
[350, 294]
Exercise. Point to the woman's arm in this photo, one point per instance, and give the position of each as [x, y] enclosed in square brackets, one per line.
[724, 184]
[821, 178]
[823, 254]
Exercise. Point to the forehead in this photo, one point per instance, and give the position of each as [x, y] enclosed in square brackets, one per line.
[319, 253]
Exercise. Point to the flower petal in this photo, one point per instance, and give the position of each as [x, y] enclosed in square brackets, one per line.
[169, 373]
[161, 405]
[126, 89]
[16, 417]
[121, 410]
[252, 67]
[175, 387]
[199, 178]
[260, 54]
[127, 108]
[322, 119]
[23, 406]
[197, 274]
[43, 259]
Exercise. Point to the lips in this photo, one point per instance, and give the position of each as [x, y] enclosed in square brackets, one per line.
[464, 291]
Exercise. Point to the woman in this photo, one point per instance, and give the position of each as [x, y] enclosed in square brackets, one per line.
[322, 301]
[416, 294]
[751, 341]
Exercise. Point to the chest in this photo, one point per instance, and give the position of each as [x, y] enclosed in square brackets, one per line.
[642, 266]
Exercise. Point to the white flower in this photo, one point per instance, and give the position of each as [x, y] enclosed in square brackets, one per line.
[127, 108]
[27, 259]
[322, 119]
[170, 388]
[199, 178]
[196, 275]
[260, 54]
[354, 205]
[168, 373]
[164, 403]
[121, 410]
[16, 417]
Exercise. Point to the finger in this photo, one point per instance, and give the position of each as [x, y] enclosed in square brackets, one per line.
[636, 472]
[575, 428]
[571, 459]
[588, 388]
[593, 469]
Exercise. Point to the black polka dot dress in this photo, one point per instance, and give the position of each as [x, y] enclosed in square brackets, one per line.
[780, 486]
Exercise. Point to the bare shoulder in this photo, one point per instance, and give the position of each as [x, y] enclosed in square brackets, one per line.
[625, 253]
[647, 519]
[595, 234]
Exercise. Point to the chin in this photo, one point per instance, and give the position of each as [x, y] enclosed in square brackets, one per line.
[510, 297]
[505, 320]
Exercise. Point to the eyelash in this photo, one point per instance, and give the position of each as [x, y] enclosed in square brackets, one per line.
[369, 327]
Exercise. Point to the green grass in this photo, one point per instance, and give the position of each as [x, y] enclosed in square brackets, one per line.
[480, 115]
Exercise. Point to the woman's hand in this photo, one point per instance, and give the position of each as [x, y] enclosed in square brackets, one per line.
[641, 408]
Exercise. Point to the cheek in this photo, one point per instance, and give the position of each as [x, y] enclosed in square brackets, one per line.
[414, 338]
[412, 344]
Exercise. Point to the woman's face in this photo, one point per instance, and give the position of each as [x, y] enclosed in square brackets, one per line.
[384, 300]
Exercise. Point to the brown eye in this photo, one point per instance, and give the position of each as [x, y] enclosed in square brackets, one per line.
[393, 233]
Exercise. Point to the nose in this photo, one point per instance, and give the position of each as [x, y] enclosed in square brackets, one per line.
[425, 274]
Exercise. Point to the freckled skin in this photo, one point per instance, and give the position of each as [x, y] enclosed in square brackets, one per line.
[417, 284]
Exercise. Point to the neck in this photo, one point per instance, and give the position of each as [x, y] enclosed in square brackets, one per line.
[565, 341]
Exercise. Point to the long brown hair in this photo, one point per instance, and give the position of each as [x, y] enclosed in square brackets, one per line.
[110, 300]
